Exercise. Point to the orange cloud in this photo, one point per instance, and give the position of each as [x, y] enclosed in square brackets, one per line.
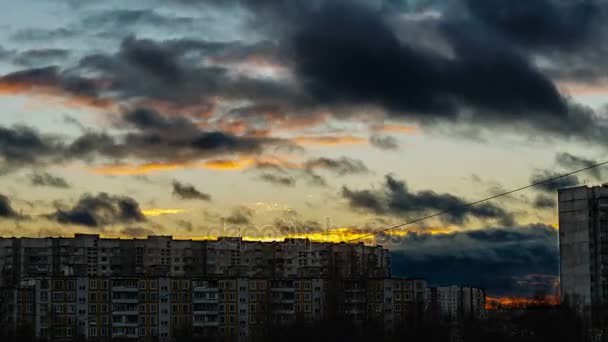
[51, 94]
[140, 169]
[575, 88]
[228, 164]
[395, 128]
[235, 164]
[329, 140]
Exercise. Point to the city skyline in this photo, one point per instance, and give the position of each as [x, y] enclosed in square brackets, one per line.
[321, 119]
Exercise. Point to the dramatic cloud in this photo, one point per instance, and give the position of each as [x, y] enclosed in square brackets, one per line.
[497, 259]
[145, 135]
[47, 179]
[6, 210]
[23, 145]
[100, 210]
[335, 56]
[52, 81]
[396, 199]
[189, 192]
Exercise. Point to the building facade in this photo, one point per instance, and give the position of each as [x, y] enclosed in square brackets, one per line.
[91, 256]
[583, 245]
[160, 289]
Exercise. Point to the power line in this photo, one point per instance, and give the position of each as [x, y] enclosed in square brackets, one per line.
[549, 180]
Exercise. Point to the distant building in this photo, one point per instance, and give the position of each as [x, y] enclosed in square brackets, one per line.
[456, 303]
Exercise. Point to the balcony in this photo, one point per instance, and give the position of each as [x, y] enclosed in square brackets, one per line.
[124, 289]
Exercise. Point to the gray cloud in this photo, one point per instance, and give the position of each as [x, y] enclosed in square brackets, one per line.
[41, 178]
[189, 192]
[384, 142]
[341, 166]
[494, 258]
[99, 210]
[278, 179]
[6, 210]
[394, 198]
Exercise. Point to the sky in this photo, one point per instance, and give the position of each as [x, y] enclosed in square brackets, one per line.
[324, 119]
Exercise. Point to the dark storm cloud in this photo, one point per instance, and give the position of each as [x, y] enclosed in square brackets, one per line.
[394, 198]
[278, 179]
[154, 137]
[540, 23]
[149, 120]
[189, 192]
[41, 178]
[146, 135]
[496, 259]
[240, 216]
[151, 58]
[486, 74]
[336, 58]
[99, 210]
[52, 80]
[22, 145]
[6, 210]
[384, 142]
[162, 71]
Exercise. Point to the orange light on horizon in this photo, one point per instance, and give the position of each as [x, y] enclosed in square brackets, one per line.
[496, 303]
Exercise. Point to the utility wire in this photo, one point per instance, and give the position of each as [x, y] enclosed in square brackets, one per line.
[546, 181]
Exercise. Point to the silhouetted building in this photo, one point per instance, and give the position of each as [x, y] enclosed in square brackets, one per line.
[456, 303]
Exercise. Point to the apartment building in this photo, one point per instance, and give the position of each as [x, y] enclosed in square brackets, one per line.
[91, 256]
[583, 245]
[160, 289]
[456, 303]
[239, 309]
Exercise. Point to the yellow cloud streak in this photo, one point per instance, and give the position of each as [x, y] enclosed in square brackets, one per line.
[159, 212]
